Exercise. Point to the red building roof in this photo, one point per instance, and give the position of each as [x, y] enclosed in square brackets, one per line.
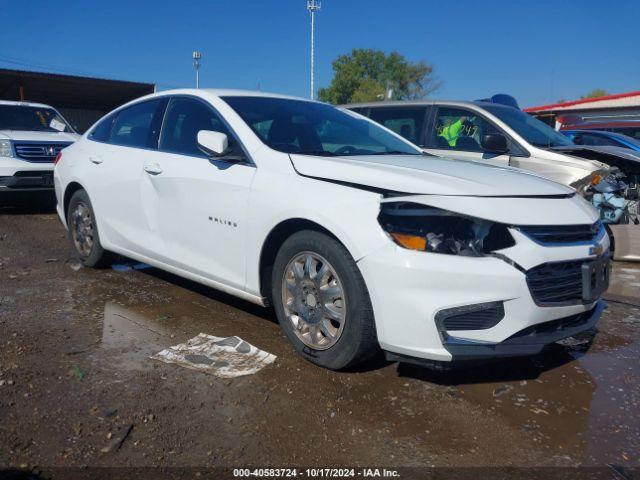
[583, 101]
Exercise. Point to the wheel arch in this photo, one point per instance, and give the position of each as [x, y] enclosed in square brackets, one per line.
[276, 237]
[72, 188]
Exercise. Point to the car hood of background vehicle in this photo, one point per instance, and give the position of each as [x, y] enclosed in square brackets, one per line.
[418, 174]
[601, 153]
[34, 136]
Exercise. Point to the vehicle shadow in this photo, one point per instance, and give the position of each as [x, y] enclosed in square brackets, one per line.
[503, 370]
[26, 203]
[510, 369]
[213, 294]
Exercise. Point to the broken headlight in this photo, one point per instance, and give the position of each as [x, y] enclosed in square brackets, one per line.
[420, 227]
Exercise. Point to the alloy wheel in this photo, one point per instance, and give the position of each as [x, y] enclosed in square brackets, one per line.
[314, 300]
[82, 229]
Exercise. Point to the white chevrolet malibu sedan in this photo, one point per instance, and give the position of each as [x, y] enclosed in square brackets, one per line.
[358, 240]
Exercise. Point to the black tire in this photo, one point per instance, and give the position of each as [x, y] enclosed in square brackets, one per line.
[358, 340]
[97, 256]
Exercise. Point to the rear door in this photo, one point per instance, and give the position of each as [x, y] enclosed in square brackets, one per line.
[198, 203]
[457, 132]
[405, 121]
[124, 142]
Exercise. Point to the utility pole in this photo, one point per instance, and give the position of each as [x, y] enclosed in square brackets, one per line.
[197, 56]
[313, 6]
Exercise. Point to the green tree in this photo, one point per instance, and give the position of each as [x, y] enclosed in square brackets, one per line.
[598, 92]
[366, 75]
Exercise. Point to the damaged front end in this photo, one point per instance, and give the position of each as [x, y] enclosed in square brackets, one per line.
[613, 193]
[612, 198]
[420, 227]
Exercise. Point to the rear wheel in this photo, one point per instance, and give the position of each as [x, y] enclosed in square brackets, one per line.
[322, 302]
[83, 231]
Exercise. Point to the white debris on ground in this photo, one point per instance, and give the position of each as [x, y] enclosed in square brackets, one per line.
[223, 357]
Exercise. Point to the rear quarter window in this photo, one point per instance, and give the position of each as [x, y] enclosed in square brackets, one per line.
[102, 131]
[133, 126]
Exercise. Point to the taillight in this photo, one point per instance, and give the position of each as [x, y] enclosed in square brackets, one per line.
[58, 158]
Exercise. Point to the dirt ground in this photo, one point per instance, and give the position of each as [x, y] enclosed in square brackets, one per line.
[75, 376]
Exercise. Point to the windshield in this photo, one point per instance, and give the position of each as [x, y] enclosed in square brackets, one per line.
[36, 119]
[298, 126]
[537, 133]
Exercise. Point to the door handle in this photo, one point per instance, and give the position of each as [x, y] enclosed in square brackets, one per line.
[96, 160]
[152, 168]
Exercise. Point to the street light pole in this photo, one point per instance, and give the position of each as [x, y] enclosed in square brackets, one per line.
[197, 56]
[313, 6]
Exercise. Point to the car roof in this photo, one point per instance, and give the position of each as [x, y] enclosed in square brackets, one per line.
[222, 92]
[589, 125]
[585, 130]
[601, 132]
[24, 104]
[421, 103]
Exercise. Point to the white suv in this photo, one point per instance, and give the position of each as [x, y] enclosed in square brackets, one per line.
[490, 133]
[357, 239]
[31, 136]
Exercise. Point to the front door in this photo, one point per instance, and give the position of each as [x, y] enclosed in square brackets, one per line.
[199, 204]
[457, 133]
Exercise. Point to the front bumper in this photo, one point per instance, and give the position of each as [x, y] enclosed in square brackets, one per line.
[16, 174]
[529, 341]
[408, 290]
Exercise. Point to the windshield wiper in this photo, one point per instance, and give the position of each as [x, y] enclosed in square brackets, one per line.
[319, 153]
[394, 152]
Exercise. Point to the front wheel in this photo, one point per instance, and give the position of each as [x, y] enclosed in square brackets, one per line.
[83, 231]
[322, 302]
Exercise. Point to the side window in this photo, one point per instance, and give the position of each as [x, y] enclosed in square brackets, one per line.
[102, 131]
[633, 132]
[597, 140]
[133, 126]
[578, 138]
[407, 122]
[184, 118]
[459, 129]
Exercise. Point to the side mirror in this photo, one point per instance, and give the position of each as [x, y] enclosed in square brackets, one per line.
[494, 143]
[213, 143]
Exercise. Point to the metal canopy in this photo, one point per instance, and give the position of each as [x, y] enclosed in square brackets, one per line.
[67, 91]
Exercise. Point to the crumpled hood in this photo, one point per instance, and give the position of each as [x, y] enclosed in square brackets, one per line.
[33, 136]
[427, 175]
[606, 152]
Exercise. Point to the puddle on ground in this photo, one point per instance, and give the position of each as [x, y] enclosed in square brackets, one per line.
[131, 335]
[577, 402]
[574, 399]
[142, 315]
[625, 281]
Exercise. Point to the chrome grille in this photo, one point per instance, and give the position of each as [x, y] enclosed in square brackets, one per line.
[39, 152]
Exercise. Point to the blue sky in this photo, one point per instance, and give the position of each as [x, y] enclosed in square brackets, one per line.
[539, 51]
